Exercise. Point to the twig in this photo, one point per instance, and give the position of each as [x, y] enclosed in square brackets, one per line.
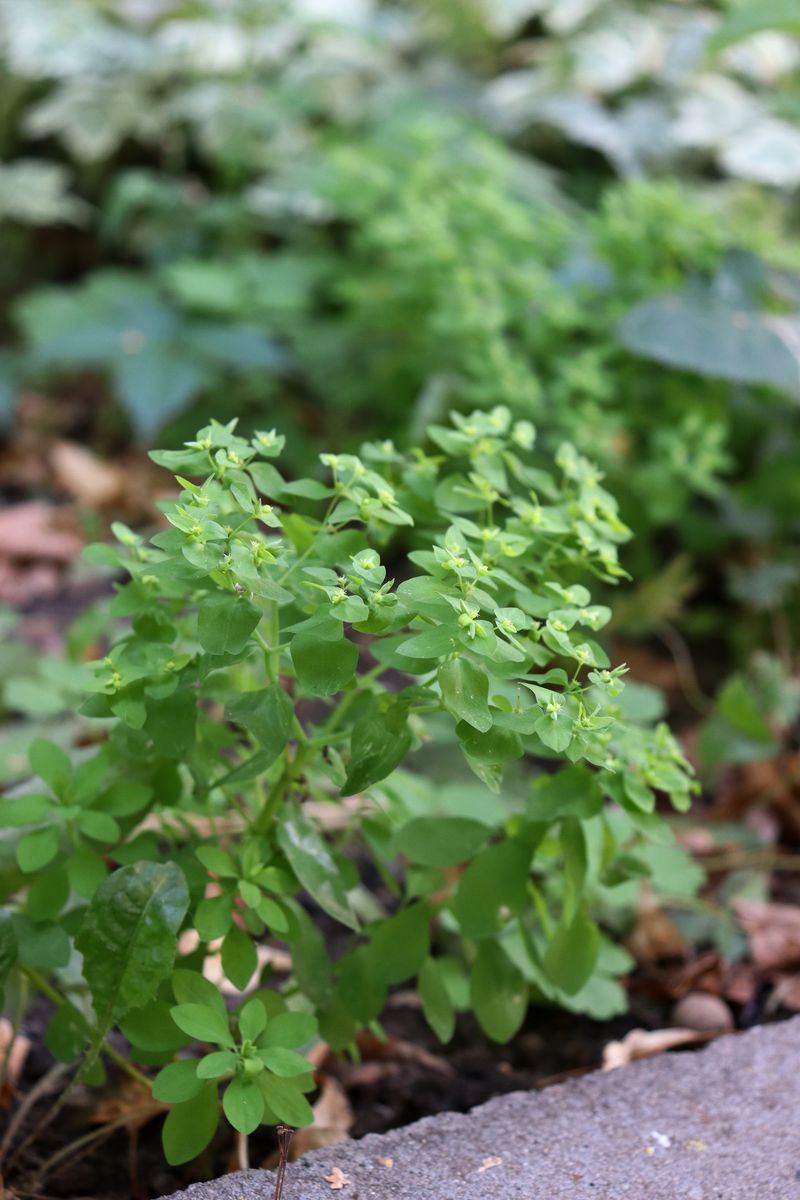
[285, 1135]
[40, 1089]
[67, 1152]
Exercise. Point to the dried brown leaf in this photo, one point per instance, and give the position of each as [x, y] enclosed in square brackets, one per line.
[773, 931]
[646, 1043]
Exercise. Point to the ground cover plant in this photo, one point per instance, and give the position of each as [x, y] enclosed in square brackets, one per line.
[237, 720]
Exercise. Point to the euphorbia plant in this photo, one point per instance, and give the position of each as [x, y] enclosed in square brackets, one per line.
[294, 650]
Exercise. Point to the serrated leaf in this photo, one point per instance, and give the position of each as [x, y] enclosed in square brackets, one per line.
[128, 937]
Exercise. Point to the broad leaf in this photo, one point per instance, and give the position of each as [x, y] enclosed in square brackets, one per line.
[314, 866]
[128, 937]
[498, 993]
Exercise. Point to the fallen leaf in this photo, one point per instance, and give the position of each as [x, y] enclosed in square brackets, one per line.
[488, 1163]
[386, 1162]
[34, 530]
[84, 476]
[654, 937]
[333, 1120]
[773, 931]
[646, 1043]
[337, 1179]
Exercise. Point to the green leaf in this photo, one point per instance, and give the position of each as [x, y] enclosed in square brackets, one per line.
[399, 945]
[190, 987]
[152, 1028]
[225, 623]
[217, 860]
[190, 1126]
[718, 340]
[239, 957]
[753, 17]
[51, 764]
[572, 953]
[203, 1024]
[8, 948]
[99, 826]
[252, 1019]
[67, 1034]
[465, 691]
[286, 1100]
[498, 993]
[314, 866]
[375, 751]
[177, 1082]
[41, 944]
[213, 916]
[86, 871]
[26, 810]
[243, 1102]
[493, 889]
[289, 1029]
[436, 1003]
[496, 747]
[128, 937]
[440, 841]
[323, 669]
[213, 1066]
[284, 1062]
[572, 792]
[36, 850]
[267, 715]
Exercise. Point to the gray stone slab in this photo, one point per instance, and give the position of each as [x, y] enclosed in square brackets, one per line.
[718, 1124]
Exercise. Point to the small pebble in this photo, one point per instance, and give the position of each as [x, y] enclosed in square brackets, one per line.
[702, 1011]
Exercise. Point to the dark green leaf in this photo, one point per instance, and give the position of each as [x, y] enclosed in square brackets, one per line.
[323, 668]
[399, 945]
[225, 623]
[267, 715]
[375, 751]
[128, 937]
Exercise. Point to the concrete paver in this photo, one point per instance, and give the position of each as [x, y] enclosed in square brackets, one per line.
[718, 1124]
